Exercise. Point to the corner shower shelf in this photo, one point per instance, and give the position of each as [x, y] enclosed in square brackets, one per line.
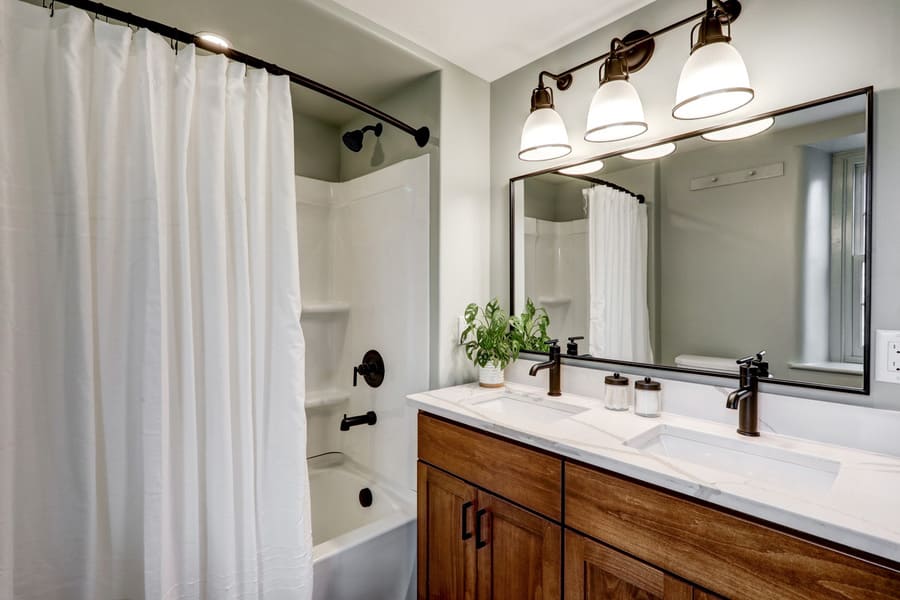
[325, 398]
[553, 300]
[324, 309]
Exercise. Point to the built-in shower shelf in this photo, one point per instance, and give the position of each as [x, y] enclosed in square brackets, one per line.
[553, 300]
[315, 309]
[326, 398]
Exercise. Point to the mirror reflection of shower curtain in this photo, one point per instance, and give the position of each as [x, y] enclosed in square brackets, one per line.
[152, 429]
[619, 323]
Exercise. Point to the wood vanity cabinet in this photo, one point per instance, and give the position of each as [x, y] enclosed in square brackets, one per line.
[498, 519]
[471, 542]
[595, 571]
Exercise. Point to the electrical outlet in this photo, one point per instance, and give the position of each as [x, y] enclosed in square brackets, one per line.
[893, 360]
[887, 356]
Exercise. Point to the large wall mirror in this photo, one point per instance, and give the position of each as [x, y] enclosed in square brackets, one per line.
[726, 245]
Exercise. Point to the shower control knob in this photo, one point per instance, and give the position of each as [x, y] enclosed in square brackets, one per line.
[371, 368]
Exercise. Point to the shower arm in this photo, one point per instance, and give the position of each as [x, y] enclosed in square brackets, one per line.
[421, 135]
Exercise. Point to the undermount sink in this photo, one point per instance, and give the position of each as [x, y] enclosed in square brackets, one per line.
[527, 408]
[745, 459]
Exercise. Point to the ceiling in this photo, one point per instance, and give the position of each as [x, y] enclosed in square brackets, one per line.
[492, 38]
[488, 38]
[302, 37]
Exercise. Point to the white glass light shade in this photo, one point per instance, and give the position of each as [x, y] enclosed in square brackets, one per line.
[714, 81]
[616, 113]
[739, 131]
[584, 168]
[652, 152]
[544, 136]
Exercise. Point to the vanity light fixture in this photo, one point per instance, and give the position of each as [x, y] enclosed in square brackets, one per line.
[714, 79]
[584, 168]
[652, 152]
[213, 38]
[616, 112]
[544, 135]
[737, 132]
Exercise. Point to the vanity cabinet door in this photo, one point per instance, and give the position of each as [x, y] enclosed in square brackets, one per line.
[597, 572]
[446, 532]
[518, 552]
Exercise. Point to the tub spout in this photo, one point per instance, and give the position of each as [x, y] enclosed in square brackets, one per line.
[367, 419]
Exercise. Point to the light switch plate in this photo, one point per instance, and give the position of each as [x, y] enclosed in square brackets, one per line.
[887, 356]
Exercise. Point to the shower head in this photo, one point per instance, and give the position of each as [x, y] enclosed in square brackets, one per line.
[354, 139]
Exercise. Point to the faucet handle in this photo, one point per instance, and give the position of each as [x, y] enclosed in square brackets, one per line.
[552, 343]
[761, 365]
[752, 359]
[746, 360]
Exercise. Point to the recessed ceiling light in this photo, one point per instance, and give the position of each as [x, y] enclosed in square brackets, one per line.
[651, 152]
[214, 38]
[739, 131]
[584, 168]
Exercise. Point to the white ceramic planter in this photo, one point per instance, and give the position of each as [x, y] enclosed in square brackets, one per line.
[490, 376]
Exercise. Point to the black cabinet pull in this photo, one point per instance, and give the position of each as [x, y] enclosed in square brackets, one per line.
[480, 542]
[466, 534]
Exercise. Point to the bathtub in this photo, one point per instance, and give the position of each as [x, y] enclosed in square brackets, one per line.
[360, 552]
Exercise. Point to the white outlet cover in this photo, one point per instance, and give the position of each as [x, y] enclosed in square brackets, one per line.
[887, 362]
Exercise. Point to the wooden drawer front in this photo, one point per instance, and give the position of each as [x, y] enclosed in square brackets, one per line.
[527, 477]
[597, 572]
[721, 552]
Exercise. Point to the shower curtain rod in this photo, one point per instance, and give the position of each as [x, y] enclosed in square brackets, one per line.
[421, 135]
[610, 184]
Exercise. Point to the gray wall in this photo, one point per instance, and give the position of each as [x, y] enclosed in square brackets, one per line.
[554, 198]
[766, 28]
[418, 104]
[316, 152]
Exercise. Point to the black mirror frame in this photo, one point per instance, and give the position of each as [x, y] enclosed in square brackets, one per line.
[868, 92]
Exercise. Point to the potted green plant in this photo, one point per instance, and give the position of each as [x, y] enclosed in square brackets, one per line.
[529, 330]
[488, 342]
[492, 339]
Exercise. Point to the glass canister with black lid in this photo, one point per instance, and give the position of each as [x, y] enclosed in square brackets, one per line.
[616, 392]
[647, 397]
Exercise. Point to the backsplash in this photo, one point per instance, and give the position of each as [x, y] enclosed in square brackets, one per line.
[859, 427]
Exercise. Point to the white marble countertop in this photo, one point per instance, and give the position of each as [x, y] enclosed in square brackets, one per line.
[860, 508]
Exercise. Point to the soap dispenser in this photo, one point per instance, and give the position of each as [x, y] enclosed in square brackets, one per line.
[572, 346]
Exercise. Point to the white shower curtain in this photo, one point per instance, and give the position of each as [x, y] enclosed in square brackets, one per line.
[152, 426]
[617, 238]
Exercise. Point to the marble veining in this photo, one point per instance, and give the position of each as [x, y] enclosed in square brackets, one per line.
[860, 508]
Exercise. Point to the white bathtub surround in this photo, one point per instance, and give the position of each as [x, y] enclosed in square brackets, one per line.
[553, 257]
[365, 276]
[858, 508]
[490, 376]
[151, 422]
[360, 552]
